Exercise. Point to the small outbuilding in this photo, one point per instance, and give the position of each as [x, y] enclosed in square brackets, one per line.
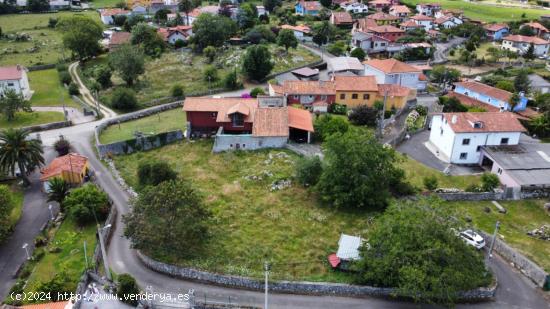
[306, 74]
[72, 168]
[348, 251]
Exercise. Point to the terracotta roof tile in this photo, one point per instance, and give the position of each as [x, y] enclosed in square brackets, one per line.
[490, 122]
[355, 83]
[311, 5]
[300, 119]
[296, 87]
[299, 28]
[342, 18]
[393, 90]
[496, 93]
[421, 17]
[365, 23]
[385, 29]
[526, 39]
[71, 162]
[410, 24]
[382, 16]
[118, 38]
[112, 12]
[391, 66]
[271, 121]
[536, 25]
[471, 102]
[55, 305]
[400, 9]
[11, 73]
[495, 27]
[381, 2]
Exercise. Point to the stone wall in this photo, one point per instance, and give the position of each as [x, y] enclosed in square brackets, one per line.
[225, 142]
[137, 144]
[48, 126]
[472, 196]
[518, 260]
[292, 287]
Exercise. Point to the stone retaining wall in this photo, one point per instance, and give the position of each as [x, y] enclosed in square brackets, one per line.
[137, 144]
[518, 260]
[472, 196]
[292, 287]
[48, 126]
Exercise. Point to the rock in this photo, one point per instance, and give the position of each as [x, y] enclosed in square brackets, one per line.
[281, 184]
[486, 209]
[547, 208]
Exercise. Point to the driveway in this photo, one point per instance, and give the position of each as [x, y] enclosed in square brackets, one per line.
[34, 216]
[75, 115]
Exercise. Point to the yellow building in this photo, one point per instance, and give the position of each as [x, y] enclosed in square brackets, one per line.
[353, 91]
[131, 3]
[71, 167]
[396, 96]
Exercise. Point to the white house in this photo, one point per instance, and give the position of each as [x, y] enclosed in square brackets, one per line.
[392, 71]
[425, 21]
[447, 22]
[428, 9]
[520, 44]
[458, 137]
[301, 32]
[107, 15]
[15, 77]
[355, 7]
[401, 11]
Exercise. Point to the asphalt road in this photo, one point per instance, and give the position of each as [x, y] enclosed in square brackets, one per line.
[34, 216]
[441, 49]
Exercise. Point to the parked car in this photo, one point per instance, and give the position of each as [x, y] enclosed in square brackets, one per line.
[473, 239]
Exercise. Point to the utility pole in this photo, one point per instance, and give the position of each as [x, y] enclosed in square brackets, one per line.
[266, 269]
[497, 226]
[381, 124]
[103, 252]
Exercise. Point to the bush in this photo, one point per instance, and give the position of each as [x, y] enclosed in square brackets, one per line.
[73, 89]
[103, 76]
[422, 110]
[65, 77]
[489, 182]
[62, 146]
[257, 91]
[153, 173]
[61, 67]
[127, 286]
[124, 99]
[473, 188]
[327, 125]
[430, 182]
[179, 43]
[338, 109]
[231, 81]
[309, 171]
[87, 203]
[210, 74]
[177, 91]
[210, 53]
[363, 115]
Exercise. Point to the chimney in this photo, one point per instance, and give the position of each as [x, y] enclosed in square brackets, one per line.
[18, 67]
[454, 119]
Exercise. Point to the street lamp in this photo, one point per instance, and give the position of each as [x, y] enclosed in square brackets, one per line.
[50, 207]
[103, 252]
[497, 225]
[26, 247]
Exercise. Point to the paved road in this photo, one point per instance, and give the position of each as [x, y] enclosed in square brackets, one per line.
[441, 49]
[34, 217]
[75, 115]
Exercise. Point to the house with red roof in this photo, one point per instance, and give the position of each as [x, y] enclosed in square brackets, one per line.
[392, 71]
[173, 34]
[71, 167]
[381, 18]
[521, 43]
[341, 19]
[459, 137]
[387, 32]
[15, 78]
[354, 7]
[107, 15]
[409, 25]
[537, 28]
[118, 38]
[301, 32]
[486, 94]
[400, 11]
[247, 124]
[423, 20]
[428, 9]
[311, 8]
[380, 5]
[495, 32]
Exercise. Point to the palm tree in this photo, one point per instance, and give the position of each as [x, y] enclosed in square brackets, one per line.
[18, 150]
[58, 190]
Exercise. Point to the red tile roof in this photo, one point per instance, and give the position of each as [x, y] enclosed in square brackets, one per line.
[525, 39]
[400, 9]
[297, 87]
[342, 18]
[490, 122]
[118, 38]
[355, 83]
[382, 16]
[72, 162]
[421, 17]
[379, 2]
[270, 121]
[112, 12]
[410, 24]
[385, 29]
[537, 26]
[471, 102]
[393, 90]
[310, 5]
[11, 73]
[365, 23]
[391, 66]
[55, 305]
[493, 92]
[495, 27]
[300, 119]
[299, 28]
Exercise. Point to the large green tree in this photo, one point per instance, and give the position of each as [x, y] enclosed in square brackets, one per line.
[522, 82]
[18, 150]
[270, 5]
[7, 203]
[81, 35]
[358, 171]
[257, 62]
[148, 39]
[87, 204]
[169, 219]
[212, 30]
[129, 62]
[13, 102]
[287, 39]
[247, 16]
[322, 32]
[413, 248]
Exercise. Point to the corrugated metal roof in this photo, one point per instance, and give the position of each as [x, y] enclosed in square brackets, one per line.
[348, 247]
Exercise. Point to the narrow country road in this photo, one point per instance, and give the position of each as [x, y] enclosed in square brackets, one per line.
[87, 96]
[441, 49]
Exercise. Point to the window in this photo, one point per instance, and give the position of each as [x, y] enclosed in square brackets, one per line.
[441, 133]
[323, 97]
[504, 141]
[296, 97]
[354, 96]
[10, 84]
[463, 155]
[478, 149]
[366, 96]
[214, 115]
[499, 171]
[466, 141]
[342, 96]
[238, 119]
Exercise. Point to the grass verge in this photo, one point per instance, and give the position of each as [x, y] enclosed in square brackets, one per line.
[48, 90]
[24, 119]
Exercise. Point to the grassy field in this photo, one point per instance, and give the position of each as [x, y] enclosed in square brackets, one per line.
[97, 4]
[252, 223]
[23, 119]
[48, 90]
[186, 69]
[70, 259]
[18, 209]
[416, 171]
[521, 217]
[45, 45]
[166, 121]
[484, 12]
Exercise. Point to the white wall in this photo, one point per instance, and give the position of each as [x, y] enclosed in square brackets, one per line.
[20, 86]
[442, 136]
[403, 79]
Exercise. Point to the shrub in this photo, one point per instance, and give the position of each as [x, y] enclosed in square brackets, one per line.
[179, 43]
[489, 182]
[65, 77]
[87, 203]
[338, 109]
[62, 146]
[231, 81]
[256, 91]
[177, 91]
[309, 171]
[210, 74]
[61, 67]
[124, 99]
[210, 53]
[430, 182]
[40, 241]
[363, 115]
[473, 188]
[103, 76]
[73, 89]
[327, 125]
[153, 173]
[422, 110]
[127, 286]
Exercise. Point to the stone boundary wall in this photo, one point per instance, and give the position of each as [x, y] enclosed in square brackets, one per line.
[136, 144]
[518, 260]
[293, 287]
[492, 196]
[48, 126]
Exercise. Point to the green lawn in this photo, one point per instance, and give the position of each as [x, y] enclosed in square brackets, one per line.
[252, 223]
[48, 90]
[484, 12]
[521, 217]
[18, 209]
[162, 122]
[23, 119]
[416, 171]
[69, 238]
[45, 45]
[97, 4]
